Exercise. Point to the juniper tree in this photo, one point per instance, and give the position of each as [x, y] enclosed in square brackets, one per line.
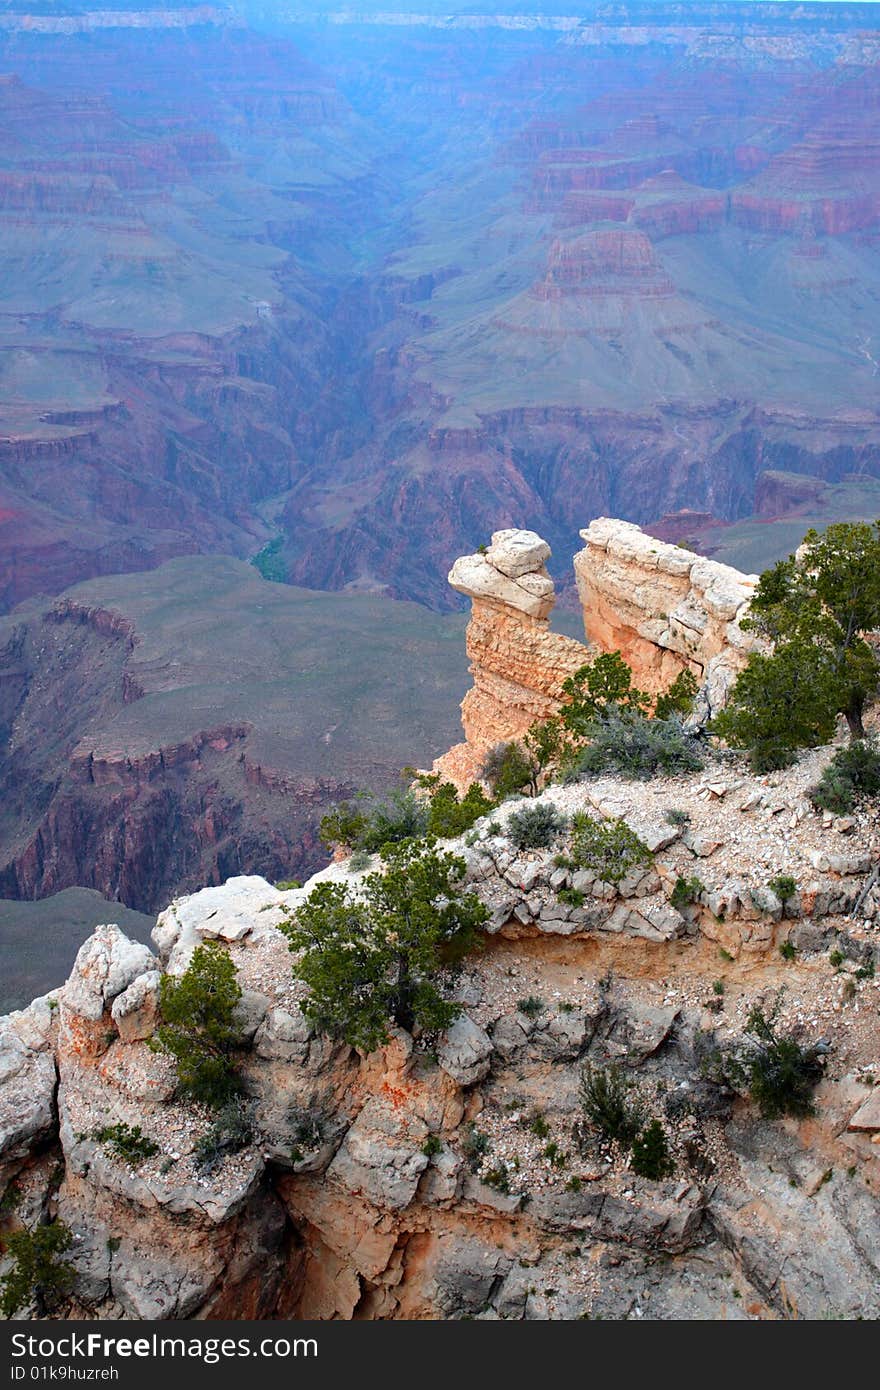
[815, 608]
[199, 1026]
[378, 957]
[38, 1275]
[600, 688]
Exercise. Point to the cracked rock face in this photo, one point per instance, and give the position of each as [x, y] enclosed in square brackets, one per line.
[665, 609]
[460, 1174]
[450, 1177]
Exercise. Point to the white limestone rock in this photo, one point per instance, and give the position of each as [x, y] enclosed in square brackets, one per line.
[135, 1010]
[105, 965]
[516, 553]
[530, 593]
[230, 912]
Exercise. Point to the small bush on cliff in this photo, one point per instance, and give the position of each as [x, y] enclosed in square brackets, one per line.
[783, 885]
[599, 689]
[38, 1274]
[853, 772]
[370, 822]
[679, 698]
[509, 769]
[777, 1071]
[650, 1153]
[815, 608]
[535, 827]
[231, 1132]
[450, 815]
[686, 891]
[199, 1026]
[634, 746]
[607, 849]
[380, 957]
[126, 1142]
[608, 1105]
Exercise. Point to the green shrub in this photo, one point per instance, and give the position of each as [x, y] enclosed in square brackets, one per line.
[679, 698]
[342, 825]
[432, 1145]
[127, 1142]
[544, 744]
[780, 703]
[199, 1026]
[557, 1158]
[596, 691]
[675, 816]
[531, 1007]
[509, 769]
[539, 1126]
[634, 746]
[231, 1132]
[38, 1274]
[286, 885]
[784, 886]
[535, 827]
[788, 950]
[686, 891]
[399, 816]
[475, 1145]
[450, 815]
[307, 1131]
[498, 1177]
[815, 608]
[572, 897]
[778, 1073]
[605, 1094]
[650, 1153]
[852, 773]
[610, 850]
[373, 822]
[718, 986]
[380, 957]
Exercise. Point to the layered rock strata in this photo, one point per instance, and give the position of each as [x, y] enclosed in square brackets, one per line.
[664, 608]
[452, 1176]
[517, 663]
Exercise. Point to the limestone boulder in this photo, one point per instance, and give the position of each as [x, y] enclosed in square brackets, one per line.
[531, 594]
[136, 1010]
[465, 1051]
[516, 553]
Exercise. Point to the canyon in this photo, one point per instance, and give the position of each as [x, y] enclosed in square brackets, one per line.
[310, 283]
[170, 729]
[345, 295]
[452, 1175]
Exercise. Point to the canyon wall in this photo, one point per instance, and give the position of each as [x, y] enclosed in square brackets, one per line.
[664, 608]
[517, 663]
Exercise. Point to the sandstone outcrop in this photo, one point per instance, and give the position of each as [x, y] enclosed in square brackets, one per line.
[517, 663]
[664, 608]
